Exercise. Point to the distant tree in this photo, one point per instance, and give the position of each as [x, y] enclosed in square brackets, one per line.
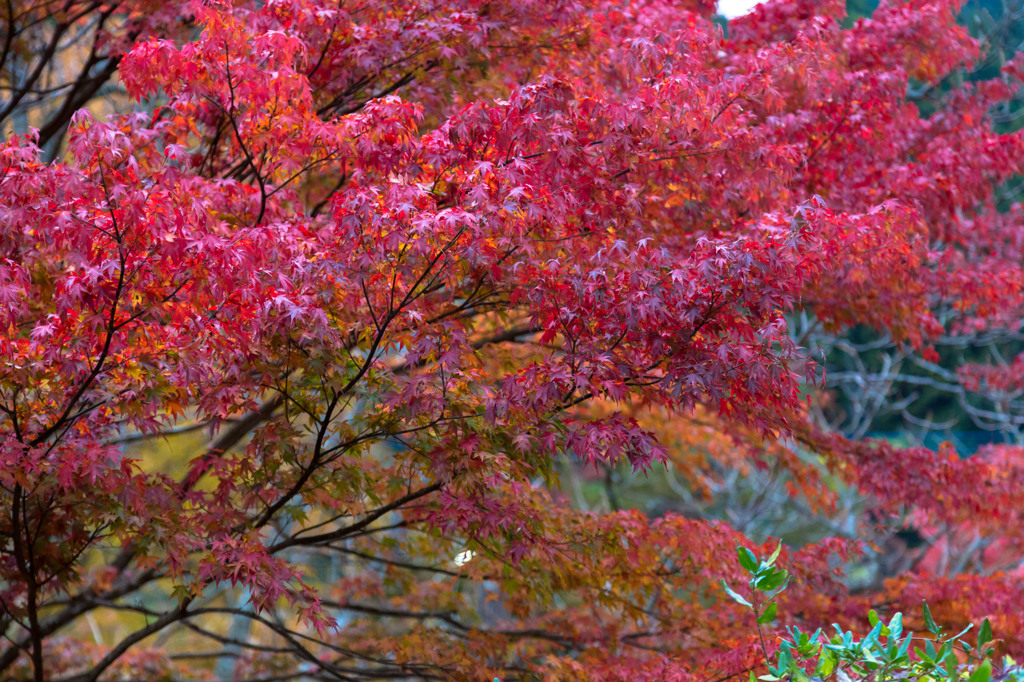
[883, 386]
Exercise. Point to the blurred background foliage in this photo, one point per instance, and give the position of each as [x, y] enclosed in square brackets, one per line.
[875, 388]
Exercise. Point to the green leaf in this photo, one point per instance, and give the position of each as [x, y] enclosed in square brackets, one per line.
[785, 658]
[872, 636]
[963, 632]
[768, 615]
[929, 621]
[747, 559]
[775, 554]
[982, 673]
[952, 665]
[772, 581]
[181, 593]
[826, 664]
[923, 656]
[873, 618]
[905, 646]
[896, 625]
[736, 596]
[984, 634]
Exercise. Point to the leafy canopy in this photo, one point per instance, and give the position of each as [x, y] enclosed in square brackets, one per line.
[368, 272]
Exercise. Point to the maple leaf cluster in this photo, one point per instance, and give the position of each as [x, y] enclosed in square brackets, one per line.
[374, 271]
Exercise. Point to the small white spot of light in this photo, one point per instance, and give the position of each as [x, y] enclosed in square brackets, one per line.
[730, 9]
[463, 558]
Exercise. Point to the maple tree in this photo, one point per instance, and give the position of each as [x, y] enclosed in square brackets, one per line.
[377, 269]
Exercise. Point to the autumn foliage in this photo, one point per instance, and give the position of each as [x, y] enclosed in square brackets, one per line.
[373, 272]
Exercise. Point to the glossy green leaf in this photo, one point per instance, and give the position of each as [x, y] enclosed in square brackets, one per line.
[769, 614]
[929, 621]
[984, 634]
[737, 597]
[772, 581]
[896, 625]
[982, 673]
[747, 559]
